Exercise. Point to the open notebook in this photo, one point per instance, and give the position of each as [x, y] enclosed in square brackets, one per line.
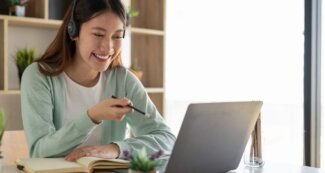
[54, 165]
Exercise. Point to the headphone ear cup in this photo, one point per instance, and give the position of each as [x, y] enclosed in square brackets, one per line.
[72, 29]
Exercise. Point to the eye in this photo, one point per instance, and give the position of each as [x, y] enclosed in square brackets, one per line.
[98, 35]
[117, 37]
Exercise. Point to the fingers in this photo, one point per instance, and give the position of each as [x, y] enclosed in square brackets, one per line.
[123, 102]
[75, 155]
[110, 109]
[107, 151]
[120, 108]
[81, 152]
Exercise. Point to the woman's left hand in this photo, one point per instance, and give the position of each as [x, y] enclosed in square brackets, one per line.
[104, 151]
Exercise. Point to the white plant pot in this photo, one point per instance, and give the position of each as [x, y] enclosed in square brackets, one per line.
[17, 10]
[20, 10]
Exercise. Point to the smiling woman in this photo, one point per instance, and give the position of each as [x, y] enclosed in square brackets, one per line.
[67, 104]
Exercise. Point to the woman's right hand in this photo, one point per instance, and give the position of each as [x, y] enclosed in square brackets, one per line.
[110, 109]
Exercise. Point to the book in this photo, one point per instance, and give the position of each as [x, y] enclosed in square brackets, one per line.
[59, 165]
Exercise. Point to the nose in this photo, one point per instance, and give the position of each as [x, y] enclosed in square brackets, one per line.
[106, 45]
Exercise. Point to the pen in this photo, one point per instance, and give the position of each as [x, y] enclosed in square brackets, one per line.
[20, 167]
[136, 109]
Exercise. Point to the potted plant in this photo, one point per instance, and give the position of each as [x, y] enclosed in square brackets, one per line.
[17, 7]
[135, 68]
[24, 57]
[141, 163]
[2, 129]
[132, 12]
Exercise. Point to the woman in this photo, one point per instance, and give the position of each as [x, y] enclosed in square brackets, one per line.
[67, 103]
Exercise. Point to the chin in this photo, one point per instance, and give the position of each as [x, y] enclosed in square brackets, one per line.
[103, 68]
[101, 65]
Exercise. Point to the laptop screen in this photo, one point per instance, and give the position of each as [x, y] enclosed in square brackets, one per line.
[213, 136]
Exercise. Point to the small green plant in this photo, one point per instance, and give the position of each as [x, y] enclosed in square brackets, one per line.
[139, 161]
[17, 7]
[24, 57]
[2, 124]
[132, 12]
[17, 2]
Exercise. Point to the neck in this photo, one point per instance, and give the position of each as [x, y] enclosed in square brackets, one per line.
[82, 76]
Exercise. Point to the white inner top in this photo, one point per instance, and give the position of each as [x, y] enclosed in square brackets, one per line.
[79, 99]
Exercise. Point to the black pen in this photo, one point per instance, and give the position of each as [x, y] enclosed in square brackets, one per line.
[136, 109]
[20, 167]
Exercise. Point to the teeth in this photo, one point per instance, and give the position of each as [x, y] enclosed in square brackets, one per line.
[102, 56]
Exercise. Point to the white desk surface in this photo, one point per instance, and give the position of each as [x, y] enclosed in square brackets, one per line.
[277, 168]
[267, 168]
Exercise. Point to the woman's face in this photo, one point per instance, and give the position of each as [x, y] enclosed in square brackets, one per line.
[99, 41]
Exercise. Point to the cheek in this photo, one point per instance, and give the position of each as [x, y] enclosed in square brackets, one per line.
[118, 46]
[87, 46]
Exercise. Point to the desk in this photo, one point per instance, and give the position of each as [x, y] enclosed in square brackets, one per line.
[267, 168]
[277, 168]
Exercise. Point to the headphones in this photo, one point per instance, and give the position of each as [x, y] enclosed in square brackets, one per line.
[73, 26]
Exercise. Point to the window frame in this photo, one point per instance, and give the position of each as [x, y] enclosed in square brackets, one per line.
[312, 83]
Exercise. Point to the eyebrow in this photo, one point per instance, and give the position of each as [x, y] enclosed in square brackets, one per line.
[120, 30]
[103, 29]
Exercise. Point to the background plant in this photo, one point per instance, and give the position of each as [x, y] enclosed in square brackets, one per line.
[24, 57]
[135, 64]
[17, 2]
[132, 12]
[139, 161]
[2, 124]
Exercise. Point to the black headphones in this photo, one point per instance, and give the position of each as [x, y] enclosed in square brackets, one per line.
[73, 26]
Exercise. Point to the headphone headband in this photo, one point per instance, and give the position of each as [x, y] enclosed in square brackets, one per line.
[73, 26]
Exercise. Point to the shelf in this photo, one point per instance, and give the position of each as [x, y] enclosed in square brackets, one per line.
[149, 51]
[135, 30]
[146, 32]
[148, 47]
[10, 92]
[151, 14]
[31, 22]
[158, 99]
[44, 23]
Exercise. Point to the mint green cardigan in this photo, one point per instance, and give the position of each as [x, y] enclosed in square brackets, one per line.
[42, 102]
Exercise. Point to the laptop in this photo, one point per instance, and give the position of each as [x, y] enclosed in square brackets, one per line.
[213, 137]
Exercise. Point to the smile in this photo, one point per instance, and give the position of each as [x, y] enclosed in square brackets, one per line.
[103, 57]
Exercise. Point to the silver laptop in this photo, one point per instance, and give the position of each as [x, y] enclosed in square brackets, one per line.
[213, 137]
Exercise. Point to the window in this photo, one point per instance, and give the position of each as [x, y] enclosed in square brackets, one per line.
[240, 50]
